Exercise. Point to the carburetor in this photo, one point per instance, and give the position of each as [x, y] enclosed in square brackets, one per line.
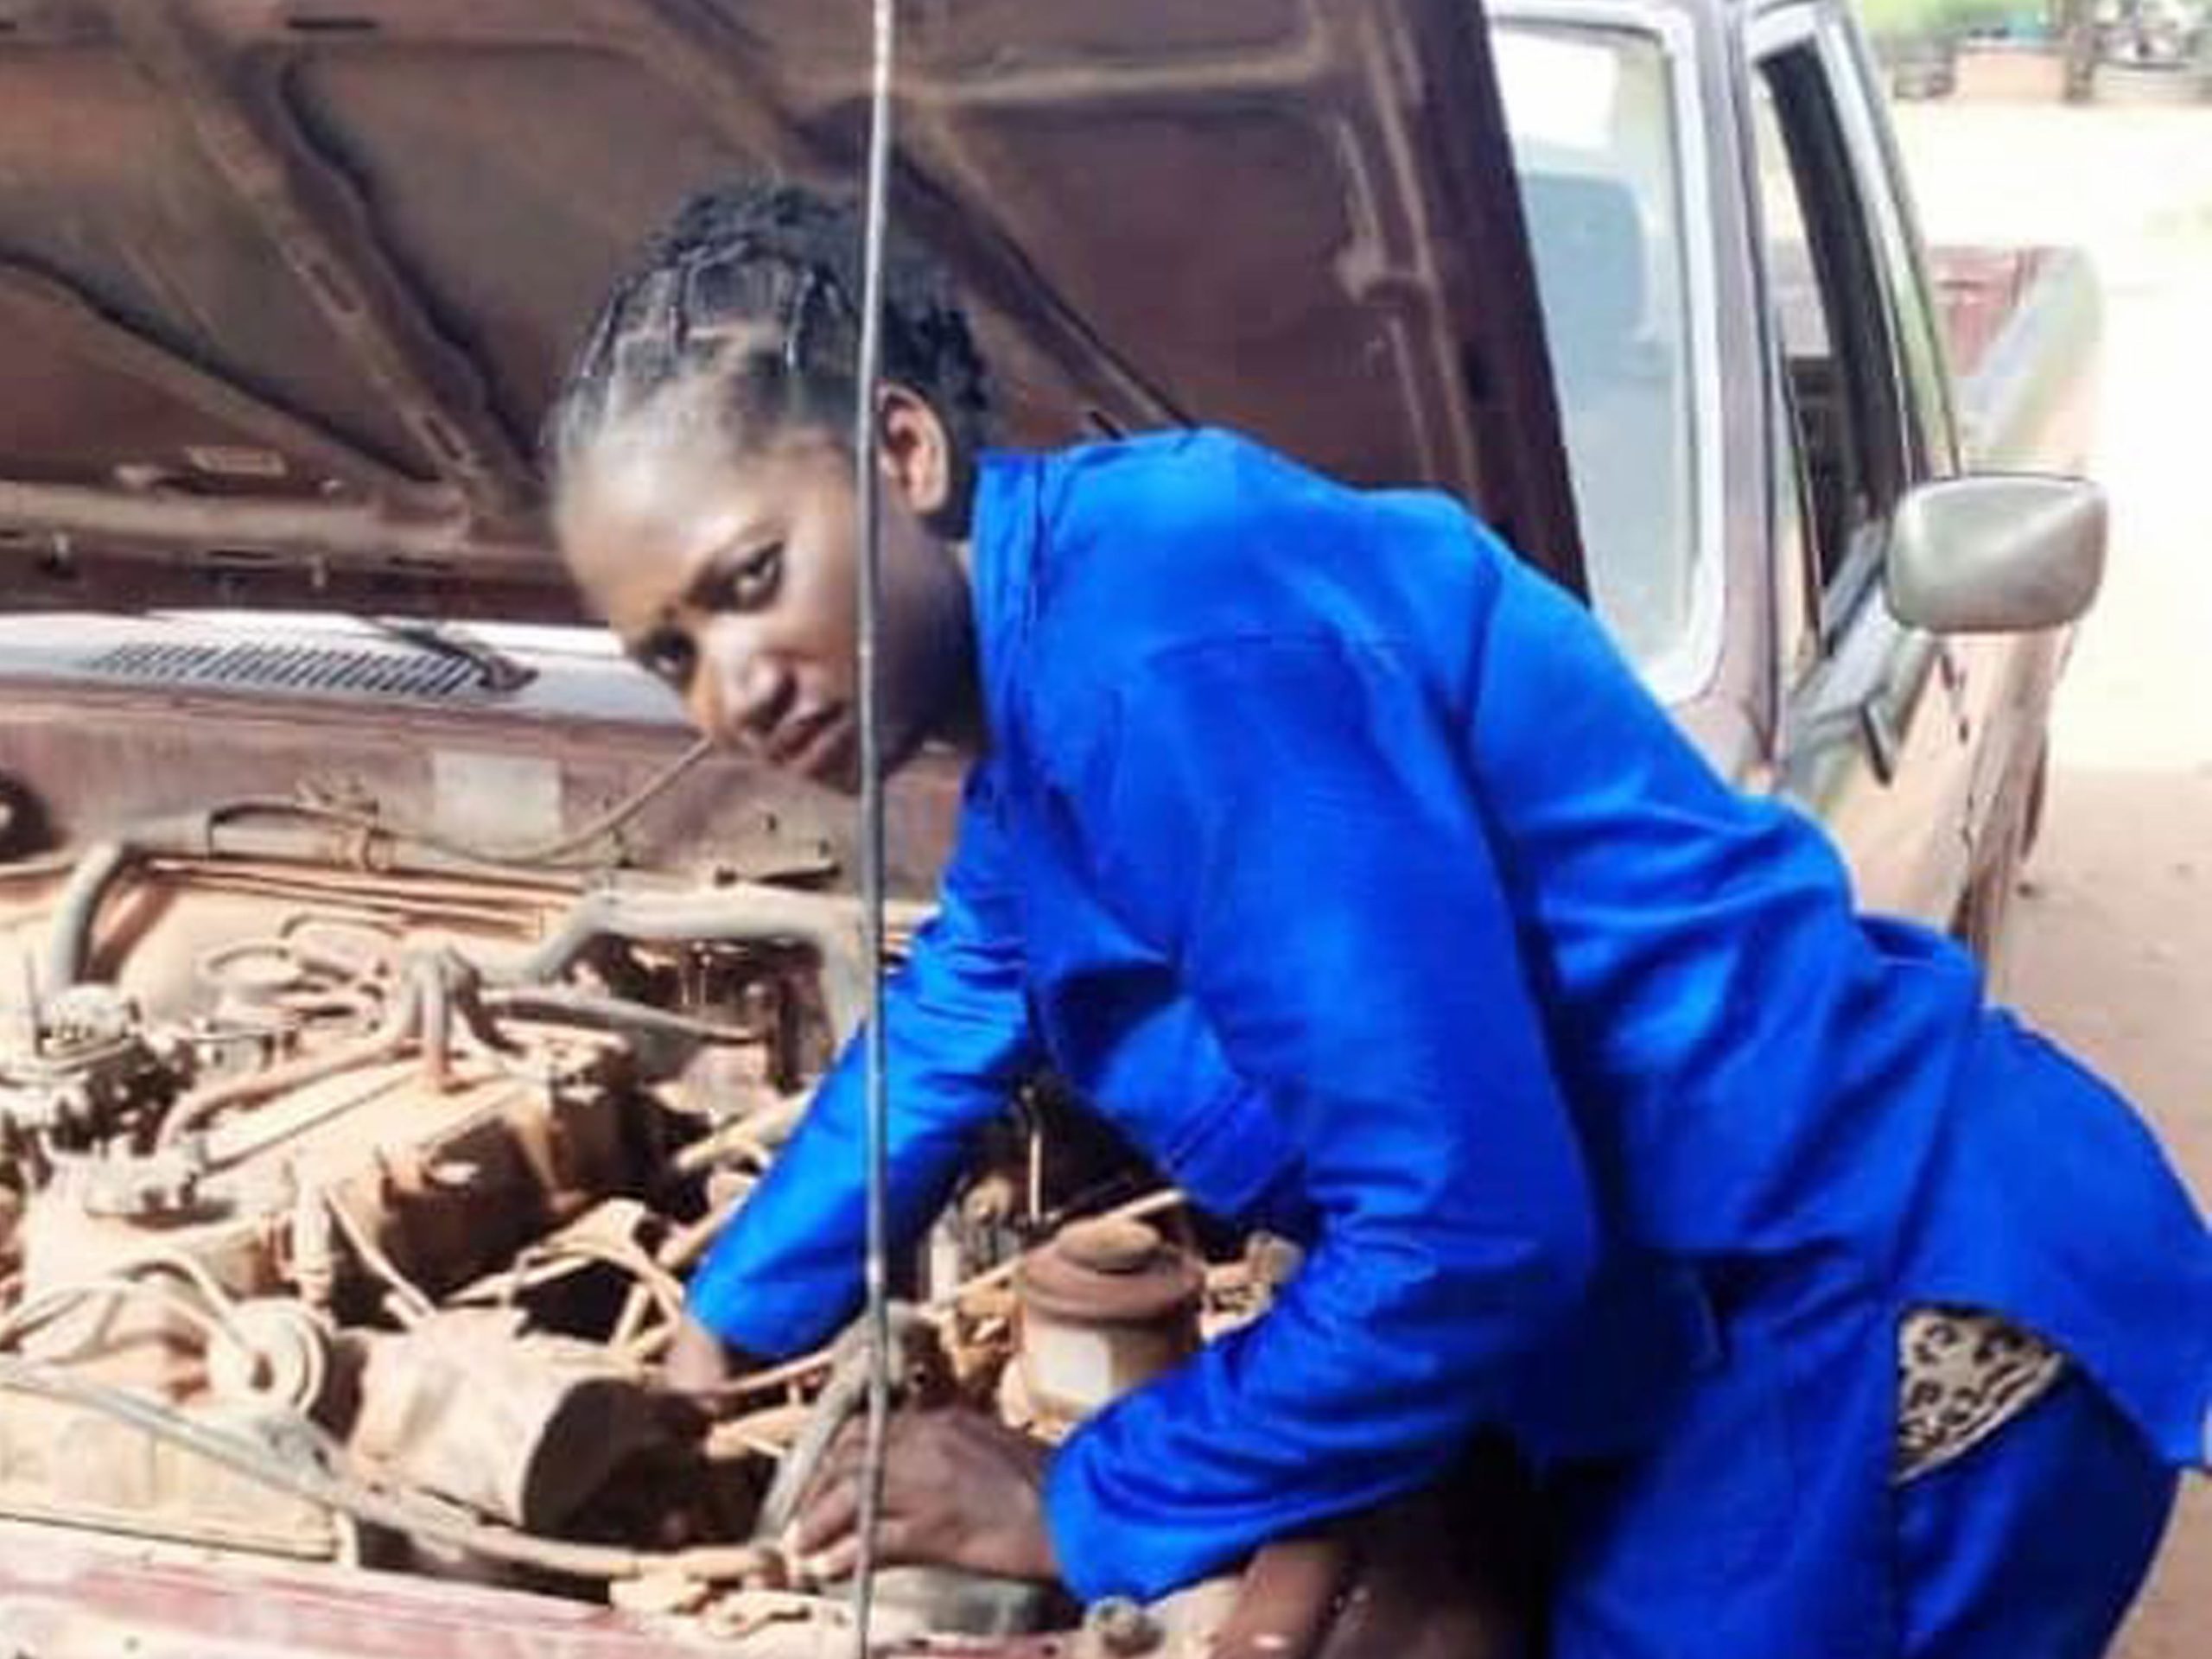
[93, 1073]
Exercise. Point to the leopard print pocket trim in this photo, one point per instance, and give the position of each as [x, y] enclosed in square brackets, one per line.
[1962, 1376]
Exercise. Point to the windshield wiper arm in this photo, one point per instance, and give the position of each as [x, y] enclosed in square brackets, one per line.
[495, 670]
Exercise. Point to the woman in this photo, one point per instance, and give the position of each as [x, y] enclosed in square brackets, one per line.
[1340, 861]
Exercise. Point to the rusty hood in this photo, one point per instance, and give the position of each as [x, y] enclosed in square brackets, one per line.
[285, 286]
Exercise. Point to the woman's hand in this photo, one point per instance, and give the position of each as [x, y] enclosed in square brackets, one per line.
[960, 1489]
[699, 1364]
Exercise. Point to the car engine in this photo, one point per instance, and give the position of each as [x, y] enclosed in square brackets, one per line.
[344, 1217]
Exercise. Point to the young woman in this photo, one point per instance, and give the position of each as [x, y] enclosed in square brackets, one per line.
[1340, 861]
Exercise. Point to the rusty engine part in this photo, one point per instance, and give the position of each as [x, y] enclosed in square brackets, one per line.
[368, 1179]
[471, 1405]
[1105, 1306]
[88, 1072]
[347, 1219]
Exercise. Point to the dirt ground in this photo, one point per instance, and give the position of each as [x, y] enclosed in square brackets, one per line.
[2114, 947]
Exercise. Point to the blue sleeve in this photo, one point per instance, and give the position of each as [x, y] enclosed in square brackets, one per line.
[787, 1272]
[1290, 825]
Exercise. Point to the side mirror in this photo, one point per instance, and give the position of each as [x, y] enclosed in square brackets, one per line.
[1996, 554]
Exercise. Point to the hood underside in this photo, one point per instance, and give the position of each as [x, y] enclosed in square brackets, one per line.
[286, 287]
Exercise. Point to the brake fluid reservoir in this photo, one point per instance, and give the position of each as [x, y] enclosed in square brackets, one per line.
[1105, 1305]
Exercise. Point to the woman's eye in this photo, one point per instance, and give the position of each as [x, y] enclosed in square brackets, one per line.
[671, 656]
[752, 580]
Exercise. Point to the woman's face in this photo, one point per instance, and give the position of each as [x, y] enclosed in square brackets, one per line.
[730, 569]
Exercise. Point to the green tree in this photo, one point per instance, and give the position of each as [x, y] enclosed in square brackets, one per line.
[1899, 20]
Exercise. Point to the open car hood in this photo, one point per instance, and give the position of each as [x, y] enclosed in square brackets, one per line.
[285, 286]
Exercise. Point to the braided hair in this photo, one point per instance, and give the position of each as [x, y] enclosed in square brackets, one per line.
[761, 284]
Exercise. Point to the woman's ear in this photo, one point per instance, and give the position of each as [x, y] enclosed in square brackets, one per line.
[915, 449]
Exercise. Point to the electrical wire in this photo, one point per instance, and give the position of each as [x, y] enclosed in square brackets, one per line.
[664, 1287]
[559, 850]
[406, 1300]
[883, 58]
[212, 1323]
[558, 1003]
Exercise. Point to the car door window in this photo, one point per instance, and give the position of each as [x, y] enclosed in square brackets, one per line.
[1839, 383]
[1594, 116]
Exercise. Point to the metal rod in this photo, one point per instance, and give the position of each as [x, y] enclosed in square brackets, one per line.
[868, 477]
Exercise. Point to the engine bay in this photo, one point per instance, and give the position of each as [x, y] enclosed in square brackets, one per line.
[347, 1213]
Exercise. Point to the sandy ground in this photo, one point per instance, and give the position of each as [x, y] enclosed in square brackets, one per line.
[2114, 946]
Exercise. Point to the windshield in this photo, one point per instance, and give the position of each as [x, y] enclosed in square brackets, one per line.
[1592, 113]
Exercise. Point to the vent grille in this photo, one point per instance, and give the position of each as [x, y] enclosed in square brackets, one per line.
[295, 668]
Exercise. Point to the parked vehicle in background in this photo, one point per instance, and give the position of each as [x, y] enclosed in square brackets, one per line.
[1764, 377]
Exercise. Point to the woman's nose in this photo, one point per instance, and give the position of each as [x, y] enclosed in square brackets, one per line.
[755, 694]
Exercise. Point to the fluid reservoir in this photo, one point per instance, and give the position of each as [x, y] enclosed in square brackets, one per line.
[1105, 1305]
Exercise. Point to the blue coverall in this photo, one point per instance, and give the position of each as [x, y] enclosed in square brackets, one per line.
[1337, 858]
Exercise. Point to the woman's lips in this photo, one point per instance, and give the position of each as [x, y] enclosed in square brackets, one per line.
[833, 758]
[808, 743]
[789, 737]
